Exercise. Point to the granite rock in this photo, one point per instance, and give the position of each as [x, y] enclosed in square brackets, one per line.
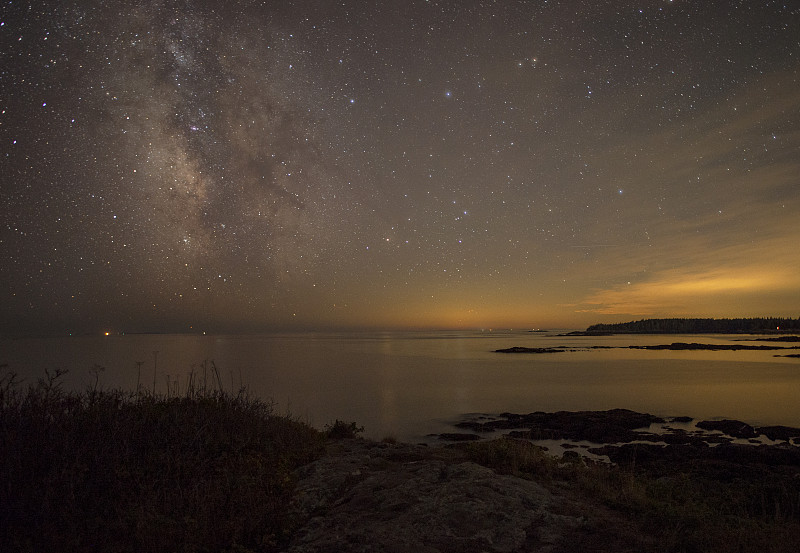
[365, 497]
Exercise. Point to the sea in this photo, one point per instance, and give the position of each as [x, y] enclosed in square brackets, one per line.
[411, 385]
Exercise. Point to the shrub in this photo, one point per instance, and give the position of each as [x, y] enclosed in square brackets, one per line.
[211, 472]
[341, 430]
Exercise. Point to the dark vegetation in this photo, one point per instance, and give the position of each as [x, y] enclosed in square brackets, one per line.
[115, 471]
[648, 503]
[675, 488]
[696, 326]
[341, 430]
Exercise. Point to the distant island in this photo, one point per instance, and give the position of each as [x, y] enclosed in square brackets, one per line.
[765, 325]
[522, 349]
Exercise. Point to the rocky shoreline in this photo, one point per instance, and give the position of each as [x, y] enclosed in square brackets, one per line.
[674, 346]
[365, 496]
[625, 437]
[622, 425]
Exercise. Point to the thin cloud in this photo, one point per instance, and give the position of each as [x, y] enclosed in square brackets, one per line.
[679, 291]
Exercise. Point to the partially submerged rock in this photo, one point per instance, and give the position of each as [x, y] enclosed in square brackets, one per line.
[679, 346]
[615, 425]
[784, 433]
[737, 429]
[522, 349]
[458, 437]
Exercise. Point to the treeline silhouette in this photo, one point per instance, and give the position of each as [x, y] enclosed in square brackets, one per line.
[691, 326]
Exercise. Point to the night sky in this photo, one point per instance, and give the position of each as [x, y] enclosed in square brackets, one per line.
[245, 166]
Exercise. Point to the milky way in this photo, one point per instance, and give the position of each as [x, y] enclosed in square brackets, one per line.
[244, 166]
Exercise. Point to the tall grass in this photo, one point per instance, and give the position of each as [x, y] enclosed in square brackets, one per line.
[114, 471]
[693, 508]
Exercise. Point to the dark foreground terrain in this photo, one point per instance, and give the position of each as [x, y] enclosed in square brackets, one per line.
[108, 471]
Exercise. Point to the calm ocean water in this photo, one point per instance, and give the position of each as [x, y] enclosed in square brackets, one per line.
[409, 384]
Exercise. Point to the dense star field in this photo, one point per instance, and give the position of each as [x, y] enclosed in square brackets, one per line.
[245, 166]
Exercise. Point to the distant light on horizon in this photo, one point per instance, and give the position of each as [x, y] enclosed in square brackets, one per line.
[458, 169]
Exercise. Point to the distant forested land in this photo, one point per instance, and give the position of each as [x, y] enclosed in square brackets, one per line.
[693, 326]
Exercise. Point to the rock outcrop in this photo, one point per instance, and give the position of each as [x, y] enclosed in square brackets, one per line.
[365, 496]
[615, 425]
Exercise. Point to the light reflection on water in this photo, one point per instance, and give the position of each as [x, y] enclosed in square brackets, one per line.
[409, 384]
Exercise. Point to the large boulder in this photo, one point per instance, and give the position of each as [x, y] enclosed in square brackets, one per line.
[733, 428]
[399, 498]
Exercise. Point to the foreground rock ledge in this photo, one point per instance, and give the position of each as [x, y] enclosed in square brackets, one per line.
[365, 496]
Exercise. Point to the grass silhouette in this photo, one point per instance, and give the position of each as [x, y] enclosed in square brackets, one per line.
[114, 471]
